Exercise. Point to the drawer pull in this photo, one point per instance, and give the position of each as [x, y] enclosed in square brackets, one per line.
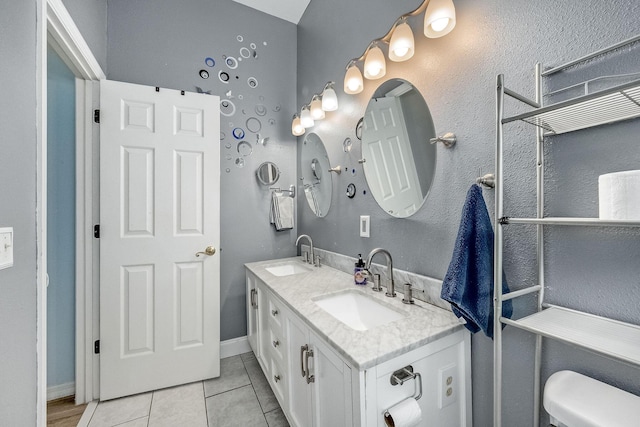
[302, 350]
[276, 343]
[276, 378]
[274, 312]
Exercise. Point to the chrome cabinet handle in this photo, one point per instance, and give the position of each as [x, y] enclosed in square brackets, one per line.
[302, 350]
[274, 312]
[254, 293]
[310, 378]
[209, 250]
[276, 378]
[276, 343]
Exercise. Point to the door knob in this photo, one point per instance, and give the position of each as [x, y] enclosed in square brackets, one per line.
[209, 250]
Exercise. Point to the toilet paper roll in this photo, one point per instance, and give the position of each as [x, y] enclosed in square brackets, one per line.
[405, 414]
[619, 195]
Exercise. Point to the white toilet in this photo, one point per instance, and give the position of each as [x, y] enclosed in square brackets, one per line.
[574, 400]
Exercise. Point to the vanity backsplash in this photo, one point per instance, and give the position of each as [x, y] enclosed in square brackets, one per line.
[425, 288]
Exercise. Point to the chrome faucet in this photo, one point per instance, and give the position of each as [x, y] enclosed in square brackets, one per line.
[309, 258]
[367, 265]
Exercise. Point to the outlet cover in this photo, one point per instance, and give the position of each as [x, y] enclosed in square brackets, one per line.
[449, 385]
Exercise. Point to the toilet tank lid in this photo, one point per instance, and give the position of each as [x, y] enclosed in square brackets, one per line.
[577, 400]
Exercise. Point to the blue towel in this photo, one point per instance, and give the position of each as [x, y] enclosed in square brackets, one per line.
[468, 284]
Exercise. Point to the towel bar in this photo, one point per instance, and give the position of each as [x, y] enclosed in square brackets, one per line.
[291, 190]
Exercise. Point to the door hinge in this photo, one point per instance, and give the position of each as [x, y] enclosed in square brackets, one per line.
[96, 347]
[96, 231]
[96, 116]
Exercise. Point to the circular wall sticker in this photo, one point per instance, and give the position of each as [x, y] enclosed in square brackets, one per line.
[204, 74]
[227, 108]
[252, 45]
[245, 53]
[209, 61]
[244, 148]
[231, 62]
[238, 133]
[223, 76]
[261, 110]
[222, 136]
[254, 125]
[240, 38]
[252, 82]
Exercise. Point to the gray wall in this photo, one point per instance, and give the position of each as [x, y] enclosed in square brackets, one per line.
[165, 43]
[591, 269]
[90, 16]
[18, 210]
[61, 224]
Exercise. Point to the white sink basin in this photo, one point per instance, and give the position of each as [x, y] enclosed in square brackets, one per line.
[287, 269]
[357, 310]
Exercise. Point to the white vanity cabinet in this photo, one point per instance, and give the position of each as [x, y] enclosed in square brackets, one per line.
[317, 386]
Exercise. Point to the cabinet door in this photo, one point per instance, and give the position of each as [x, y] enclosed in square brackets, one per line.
[263, 329]
[252, 313]
[299, 391]
[331, 389]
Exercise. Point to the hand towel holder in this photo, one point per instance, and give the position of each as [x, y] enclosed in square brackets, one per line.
[291, 190]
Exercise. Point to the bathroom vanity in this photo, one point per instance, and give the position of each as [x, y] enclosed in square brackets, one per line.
[330, 349]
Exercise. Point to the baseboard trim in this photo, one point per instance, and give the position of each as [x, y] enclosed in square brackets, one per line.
[62, 390]
[234, 347]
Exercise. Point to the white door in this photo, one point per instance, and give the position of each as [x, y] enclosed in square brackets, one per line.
[390, 169]
[159, 206]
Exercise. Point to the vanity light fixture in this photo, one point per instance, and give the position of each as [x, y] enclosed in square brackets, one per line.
[353, 82]
[401, 46]
[439, 20]
[305, 117]
[317, 113]
[327, 100]
[296, 126]
[329, 97]
[375, 66]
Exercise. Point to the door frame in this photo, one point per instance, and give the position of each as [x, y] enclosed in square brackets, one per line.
[60, 31]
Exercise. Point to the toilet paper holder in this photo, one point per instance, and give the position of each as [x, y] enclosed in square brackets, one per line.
[405, 374]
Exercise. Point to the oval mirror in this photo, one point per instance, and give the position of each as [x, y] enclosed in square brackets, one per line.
[399, 161]
[268, 173]
[314, 162]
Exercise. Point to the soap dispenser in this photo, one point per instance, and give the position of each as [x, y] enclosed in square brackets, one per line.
[359, 275]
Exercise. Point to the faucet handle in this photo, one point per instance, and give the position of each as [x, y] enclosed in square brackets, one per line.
[305, 256]
[316, 261]
[408, 294]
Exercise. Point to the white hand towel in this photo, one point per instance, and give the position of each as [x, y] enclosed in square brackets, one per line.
[281, 214]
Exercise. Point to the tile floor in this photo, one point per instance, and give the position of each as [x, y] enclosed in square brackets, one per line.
[240, 397]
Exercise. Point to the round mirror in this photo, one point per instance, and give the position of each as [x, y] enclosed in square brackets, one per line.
[314, 162]
[268, 173]
[399, 160]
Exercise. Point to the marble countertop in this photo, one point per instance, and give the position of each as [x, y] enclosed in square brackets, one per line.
[423, 323]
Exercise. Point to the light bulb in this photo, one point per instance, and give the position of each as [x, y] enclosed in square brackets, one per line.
[353, 80]
[440, 24]
[375, 66]
[401, 46]
[439, 18]
[317, 113]
[296, 127]
[329, 98]
[305, 117]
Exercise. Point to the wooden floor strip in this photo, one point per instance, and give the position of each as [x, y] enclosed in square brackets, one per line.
[64, 412]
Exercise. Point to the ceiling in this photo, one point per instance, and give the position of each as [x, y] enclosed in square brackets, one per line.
[289, 10]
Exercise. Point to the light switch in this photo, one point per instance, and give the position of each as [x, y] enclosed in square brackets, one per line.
[6, 247]
[364, 225]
